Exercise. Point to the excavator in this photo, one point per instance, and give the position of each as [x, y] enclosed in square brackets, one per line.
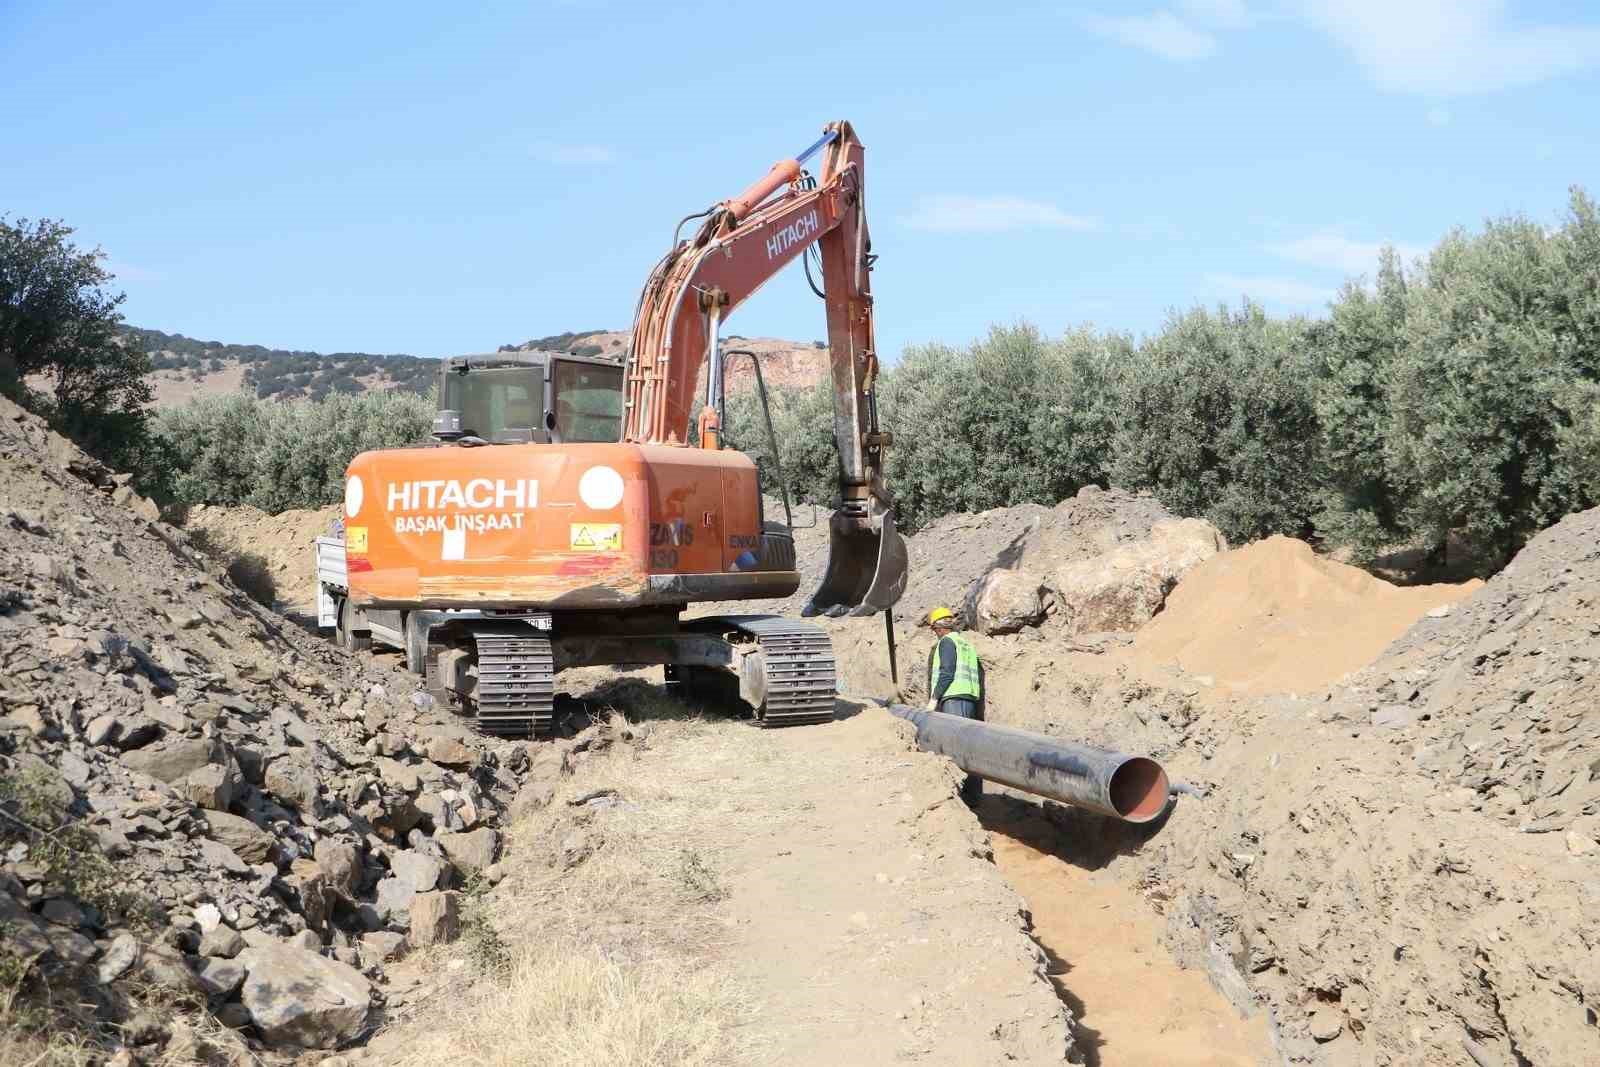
[562, 517]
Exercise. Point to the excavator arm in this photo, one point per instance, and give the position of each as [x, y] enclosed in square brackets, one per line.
[742, 243]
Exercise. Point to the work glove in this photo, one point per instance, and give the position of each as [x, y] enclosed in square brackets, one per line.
[933, 705]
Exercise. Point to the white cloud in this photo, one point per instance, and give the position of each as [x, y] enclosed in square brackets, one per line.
[576, 155]
[991, 214]
[1334, 251]
[1285, 292]
[1161, 32]
[1222, 12]
[1452, 47]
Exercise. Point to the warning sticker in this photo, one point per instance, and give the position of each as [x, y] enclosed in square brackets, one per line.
[597, 535]
[355, 539]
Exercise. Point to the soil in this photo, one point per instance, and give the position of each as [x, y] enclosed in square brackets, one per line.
[1133, 1004]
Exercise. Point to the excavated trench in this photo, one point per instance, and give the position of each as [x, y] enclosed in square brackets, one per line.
[1132, 1003]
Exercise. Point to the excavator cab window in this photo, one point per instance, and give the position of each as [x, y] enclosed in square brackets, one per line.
[587, 402]
[499, 404]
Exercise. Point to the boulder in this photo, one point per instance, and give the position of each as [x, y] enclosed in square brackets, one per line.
[420, 871]
[117, 958]
[224, 942]
[301, 999]
[172, 763]
[213, 786]
[340, 865]
[218, 856]
[1123, 589]
[472, 851]
[219, 976]
[247, 840]
[447, 746]
[394, 901]
[435, 919]
[1006, 601]
[293, 782]
[381, 946]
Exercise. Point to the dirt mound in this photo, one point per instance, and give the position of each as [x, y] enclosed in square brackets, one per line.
[283, 543]
[1500, 694]
[1274, 617]
[202, 803]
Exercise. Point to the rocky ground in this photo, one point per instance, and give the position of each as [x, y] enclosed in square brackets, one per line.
[205, 806]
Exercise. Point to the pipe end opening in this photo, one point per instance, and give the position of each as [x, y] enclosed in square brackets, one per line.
[1139, 789]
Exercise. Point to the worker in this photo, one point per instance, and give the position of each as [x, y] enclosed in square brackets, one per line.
[955, 682]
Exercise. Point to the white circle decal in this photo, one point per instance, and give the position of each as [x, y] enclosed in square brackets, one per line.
[353, 495]
[600, 488]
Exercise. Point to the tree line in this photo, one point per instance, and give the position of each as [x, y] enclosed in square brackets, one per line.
[1450, 401]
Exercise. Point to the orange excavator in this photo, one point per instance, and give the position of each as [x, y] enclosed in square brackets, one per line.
[563, 519]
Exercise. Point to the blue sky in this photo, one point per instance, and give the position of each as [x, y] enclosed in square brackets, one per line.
[431, 178]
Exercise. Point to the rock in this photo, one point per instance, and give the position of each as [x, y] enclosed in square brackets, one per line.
[212, 787]
[234, 1016]
[402, 776]
[223, 941]
[247, 840]
[394, 900]
[1580, 845]
[121, 954]
[1123, 589]
[340, 865]
[302, 999]
[435, 919]
[74, 770]
[220, 857]
[307, 940]
[62, 912]
[294, 783]
[472, 851]
[1394, 717]
[220, 976]
[438, 812]
[575, 848]
[1006, 601]
[1326, 1024]
[381, 946]
[174, 762]
[417, 870]
[545, 771]
[137, 733]
[209, 916]
[102, 730]
[448, 747]
[164, 967]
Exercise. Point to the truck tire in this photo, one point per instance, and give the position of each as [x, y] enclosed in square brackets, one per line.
[347, 636]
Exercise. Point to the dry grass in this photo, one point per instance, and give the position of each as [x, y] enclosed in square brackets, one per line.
[605, 929]
[570, 1004]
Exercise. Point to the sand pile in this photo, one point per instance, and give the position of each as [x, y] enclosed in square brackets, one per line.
[1273, 617]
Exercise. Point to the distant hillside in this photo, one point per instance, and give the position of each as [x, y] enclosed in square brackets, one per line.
[186, 368]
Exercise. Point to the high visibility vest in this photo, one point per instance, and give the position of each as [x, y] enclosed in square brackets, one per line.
[968, 681]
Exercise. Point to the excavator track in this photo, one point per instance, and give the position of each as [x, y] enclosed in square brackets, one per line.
[516, 682]
[800, 675]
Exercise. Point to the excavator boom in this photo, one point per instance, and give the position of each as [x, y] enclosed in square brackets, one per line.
[742, 243]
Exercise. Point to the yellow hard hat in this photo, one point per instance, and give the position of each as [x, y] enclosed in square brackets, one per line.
[938, 615]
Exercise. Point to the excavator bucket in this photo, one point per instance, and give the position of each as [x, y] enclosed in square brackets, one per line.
[866, 570]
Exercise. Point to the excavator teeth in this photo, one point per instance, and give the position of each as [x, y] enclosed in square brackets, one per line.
[516, 682]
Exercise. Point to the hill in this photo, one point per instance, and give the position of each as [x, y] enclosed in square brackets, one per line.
[186, 368]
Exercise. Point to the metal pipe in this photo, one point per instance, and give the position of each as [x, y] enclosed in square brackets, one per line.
[1133, 788]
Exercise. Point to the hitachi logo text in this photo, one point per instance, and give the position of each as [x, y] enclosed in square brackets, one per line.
[479, 493]
[794, 233]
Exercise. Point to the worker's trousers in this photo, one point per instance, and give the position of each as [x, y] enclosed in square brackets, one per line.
[966, 708]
